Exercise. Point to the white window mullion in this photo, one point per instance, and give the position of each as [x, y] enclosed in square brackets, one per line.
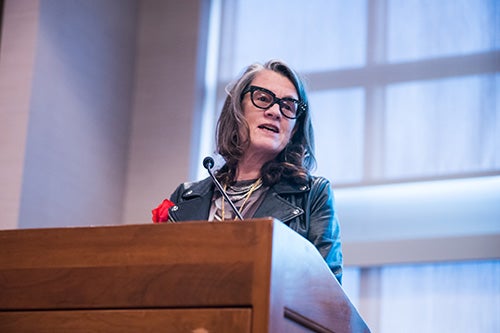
[374, 151]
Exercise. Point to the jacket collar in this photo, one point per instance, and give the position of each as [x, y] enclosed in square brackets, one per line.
[198, 189]
[197, 198]
[206, 187]
[283, 187]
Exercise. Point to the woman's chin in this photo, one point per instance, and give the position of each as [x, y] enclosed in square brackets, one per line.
[269, 151]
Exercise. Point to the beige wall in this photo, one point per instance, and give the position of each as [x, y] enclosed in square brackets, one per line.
[96, 109]
[164, 104]
[17, 55]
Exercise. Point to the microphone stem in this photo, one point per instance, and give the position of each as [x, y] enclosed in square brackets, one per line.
[221, 190]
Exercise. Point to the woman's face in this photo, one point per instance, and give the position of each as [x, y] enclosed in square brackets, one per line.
[269, 130]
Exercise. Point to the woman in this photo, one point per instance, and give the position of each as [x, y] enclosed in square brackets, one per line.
[265, 136]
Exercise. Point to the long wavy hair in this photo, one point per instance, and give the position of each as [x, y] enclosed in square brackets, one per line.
[294, 162]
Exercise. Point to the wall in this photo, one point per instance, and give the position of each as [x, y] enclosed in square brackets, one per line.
[96, 107]
[164, 105]
[17, 54]
[77, 141]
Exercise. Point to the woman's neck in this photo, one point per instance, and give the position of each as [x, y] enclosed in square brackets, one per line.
[244, 174]
[249, 167]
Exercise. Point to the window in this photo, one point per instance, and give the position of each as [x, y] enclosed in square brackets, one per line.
[399, 90]
[402, 93]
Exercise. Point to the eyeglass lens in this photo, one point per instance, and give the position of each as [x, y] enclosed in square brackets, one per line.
[263, 99]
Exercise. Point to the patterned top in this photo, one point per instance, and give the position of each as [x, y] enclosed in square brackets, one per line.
[246, 196]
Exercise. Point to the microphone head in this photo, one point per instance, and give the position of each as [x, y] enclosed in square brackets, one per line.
[208, 162]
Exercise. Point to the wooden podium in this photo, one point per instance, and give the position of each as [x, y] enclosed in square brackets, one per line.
[191, 277]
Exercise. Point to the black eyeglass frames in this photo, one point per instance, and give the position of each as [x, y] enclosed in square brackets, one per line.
[263, 98]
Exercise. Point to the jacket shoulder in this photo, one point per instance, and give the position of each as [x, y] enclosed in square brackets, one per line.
[319, 181]
[190, 189]
[319, 184]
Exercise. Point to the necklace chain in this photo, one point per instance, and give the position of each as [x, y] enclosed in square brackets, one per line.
[257, 184]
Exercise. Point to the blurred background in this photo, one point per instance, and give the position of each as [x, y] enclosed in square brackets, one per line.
[107, 105]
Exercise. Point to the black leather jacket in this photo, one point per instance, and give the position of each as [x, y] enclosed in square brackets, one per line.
[307, 209]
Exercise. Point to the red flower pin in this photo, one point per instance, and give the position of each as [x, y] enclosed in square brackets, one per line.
[160, 213]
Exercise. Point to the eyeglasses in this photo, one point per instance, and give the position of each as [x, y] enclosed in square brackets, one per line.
[264, 99]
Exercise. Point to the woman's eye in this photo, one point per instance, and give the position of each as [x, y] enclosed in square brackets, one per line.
[264, 98]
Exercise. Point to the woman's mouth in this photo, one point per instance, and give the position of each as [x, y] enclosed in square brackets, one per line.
[270, 128]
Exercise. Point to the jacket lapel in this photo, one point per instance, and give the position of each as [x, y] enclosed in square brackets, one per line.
[276, 206]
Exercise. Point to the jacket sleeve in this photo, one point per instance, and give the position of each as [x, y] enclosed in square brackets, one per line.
[324, 228]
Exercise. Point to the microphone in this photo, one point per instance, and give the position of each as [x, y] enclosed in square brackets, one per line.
[208, 163]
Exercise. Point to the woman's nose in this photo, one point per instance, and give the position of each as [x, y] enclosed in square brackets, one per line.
[273, 111]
